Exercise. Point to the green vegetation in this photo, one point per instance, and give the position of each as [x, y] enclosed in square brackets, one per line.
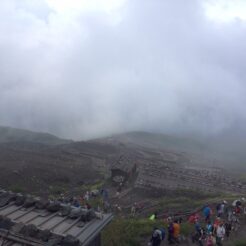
[134, 231]
[240, 243]
[130, 232]
[17, 188]
[192, 201]
[96, 186]
[56, 190]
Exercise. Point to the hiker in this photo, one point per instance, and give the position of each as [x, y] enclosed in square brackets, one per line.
[180, 220]
[153, 216]
[170, 233]
[210, 241]
[237, 206]
[199, 234]
[202, 237]
[119, 189]
[217, 209]
[228, 228]
[76, 203]
[87, 205]
[176, 231]
[106, 206]
[223, 208]
[87, 196]
[235, 222]
[220, 233]
[134, 209]
[229, 211]
[163, 233]
[217, 221]
[220, 208]
[156, 237]
[207, 213]
[105, 195]
[169, 219]
[209, 228]
[118, 208]
[193, 218]
[81, 200]
[198, 227]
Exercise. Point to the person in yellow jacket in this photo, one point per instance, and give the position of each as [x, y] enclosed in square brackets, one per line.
[153, 216]
[176, 231]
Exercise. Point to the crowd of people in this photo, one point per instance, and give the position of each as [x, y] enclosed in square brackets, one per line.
[212, 225]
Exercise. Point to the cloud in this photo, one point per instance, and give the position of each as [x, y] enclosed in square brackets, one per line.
[225, 10]
[88, 70]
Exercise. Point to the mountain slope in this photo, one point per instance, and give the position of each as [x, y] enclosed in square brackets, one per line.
[156, 141]
[223, 148]
[8, 134]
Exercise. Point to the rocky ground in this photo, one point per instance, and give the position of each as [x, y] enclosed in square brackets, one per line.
[166, 180]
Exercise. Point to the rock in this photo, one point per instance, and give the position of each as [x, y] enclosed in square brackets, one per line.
[91, 215]
[75, 213]
[18, 227]
[54, 240]
[5, 223]
[3, 193]
[65, 210]
[87, 215]
[41, 203]
[29, 202]
[70, 241]
[30, 231]
[20, 199]
[81, 224]
[44, 235]
[6, 198]
[54, 207]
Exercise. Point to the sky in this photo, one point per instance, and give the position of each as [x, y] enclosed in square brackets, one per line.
[89, 68]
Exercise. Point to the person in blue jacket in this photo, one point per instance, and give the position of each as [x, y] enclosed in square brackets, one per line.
[207, 213]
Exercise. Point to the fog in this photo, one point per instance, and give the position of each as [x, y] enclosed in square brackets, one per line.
[83, 70]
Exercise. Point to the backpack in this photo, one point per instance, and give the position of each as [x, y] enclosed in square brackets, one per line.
[163, 233]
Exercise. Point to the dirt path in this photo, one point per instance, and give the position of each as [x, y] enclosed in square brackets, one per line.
[235, 236]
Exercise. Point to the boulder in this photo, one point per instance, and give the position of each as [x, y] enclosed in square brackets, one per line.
[29, 202]
[30, 231]
[6, 198]
[54, 240]
[65, 210]
[18, 227]
[44, 235]
[5, 223]
[41, 203]
[54, 207]
[70, 241]
[20, 199]
[75, 213]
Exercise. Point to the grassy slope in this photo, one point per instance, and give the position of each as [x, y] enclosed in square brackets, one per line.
[137, 231]
[133, 232]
